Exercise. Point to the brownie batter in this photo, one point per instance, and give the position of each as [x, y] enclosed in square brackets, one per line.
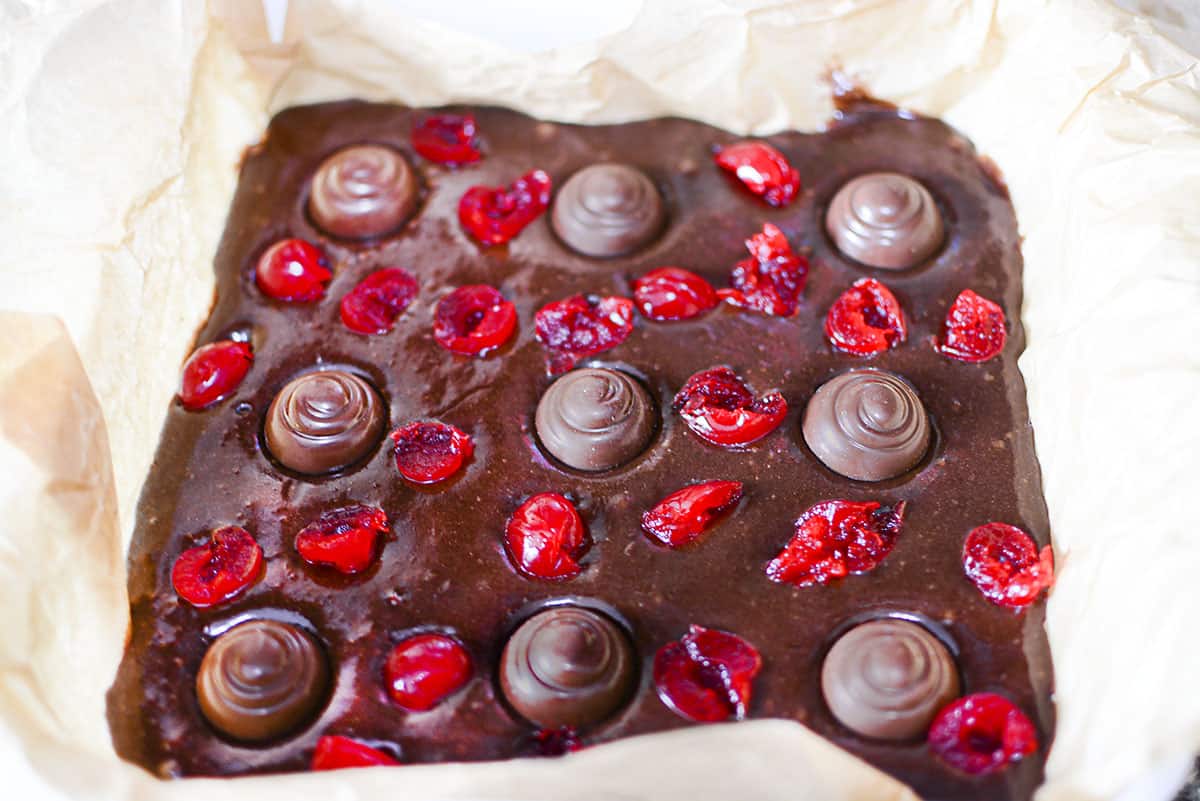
[967, 455]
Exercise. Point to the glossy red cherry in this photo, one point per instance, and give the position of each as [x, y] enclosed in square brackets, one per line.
[373, 306]
[424, 669]
[582, 326]
[213, 372]
[762, 169]
[447, 138]
[1005, 564]
[834, 539]
[772, 280]
[219, 570]
[334, 753]
[682, 516]
[545, 538]
[719, 408]
[428, 452]
[973, 330]
[981, 734]
[866, 319]
[495, 214]
[293, 270]
[474, 320]
[343, 539]
[707, 675]
[672, 293]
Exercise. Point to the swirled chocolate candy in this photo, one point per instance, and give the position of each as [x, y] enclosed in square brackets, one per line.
[567, 666]
[595, 419]
[608, 210]
[262, 680]
[885, 220]
[867, 424]
[362, 191]
[323, 421]
[886, 679]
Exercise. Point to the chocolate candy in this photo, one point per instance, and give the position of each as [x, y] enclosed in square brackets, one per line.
[886, 679]
[885, 220]
[867, 424]
[567, 666]
[323, 421]
[262, 680]
[362, 191]
[607, 210]
[595, 419]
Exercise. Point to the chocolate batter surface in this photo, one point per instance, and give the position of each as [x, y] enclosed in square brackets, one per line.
[443, 565]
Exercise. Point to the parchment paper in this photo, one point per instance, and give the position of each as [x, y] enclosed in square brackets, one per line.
[121, 123]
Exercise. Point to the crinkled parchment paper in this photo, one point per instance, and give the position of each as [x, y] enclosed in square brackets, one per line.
[121, 123]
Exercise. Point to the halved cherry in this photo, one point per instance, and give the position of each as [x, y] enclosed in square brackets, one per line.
[685, 514]
[218, 570]
[334, 752]
[719, 407]
[293, 270]
[474, 320]
[672, 293]
[545, 538]
[447, 138]
[582, 325]
[834, 539]
[772, 280]
[1005, 564]
[495, 214]
[982, 734]
[762, 169]
[422, 670]
[343, 539]
[213, 372]
[973, 330]
[707, 675]
[866, 319]
[428, 452]
[373, 306]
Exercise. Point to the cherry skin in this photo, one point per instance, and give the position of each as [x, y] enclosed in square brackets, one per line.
[474, 320]
[334, 753]
[672, 293]
[719, 408]
[422, 670]
[681, 517]
[582, 325]
[982, 734]
[707, 675]
[428, 452]
[1005, 564]
[213, 372]
[866, 319]
[493, 215]
[837, 538]
[762, 169]
[344, 539]
[974, 330]
[772, 279]
[447, 139]
[293, 271]
[219, 570]
[545, 538]
[377, 302]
